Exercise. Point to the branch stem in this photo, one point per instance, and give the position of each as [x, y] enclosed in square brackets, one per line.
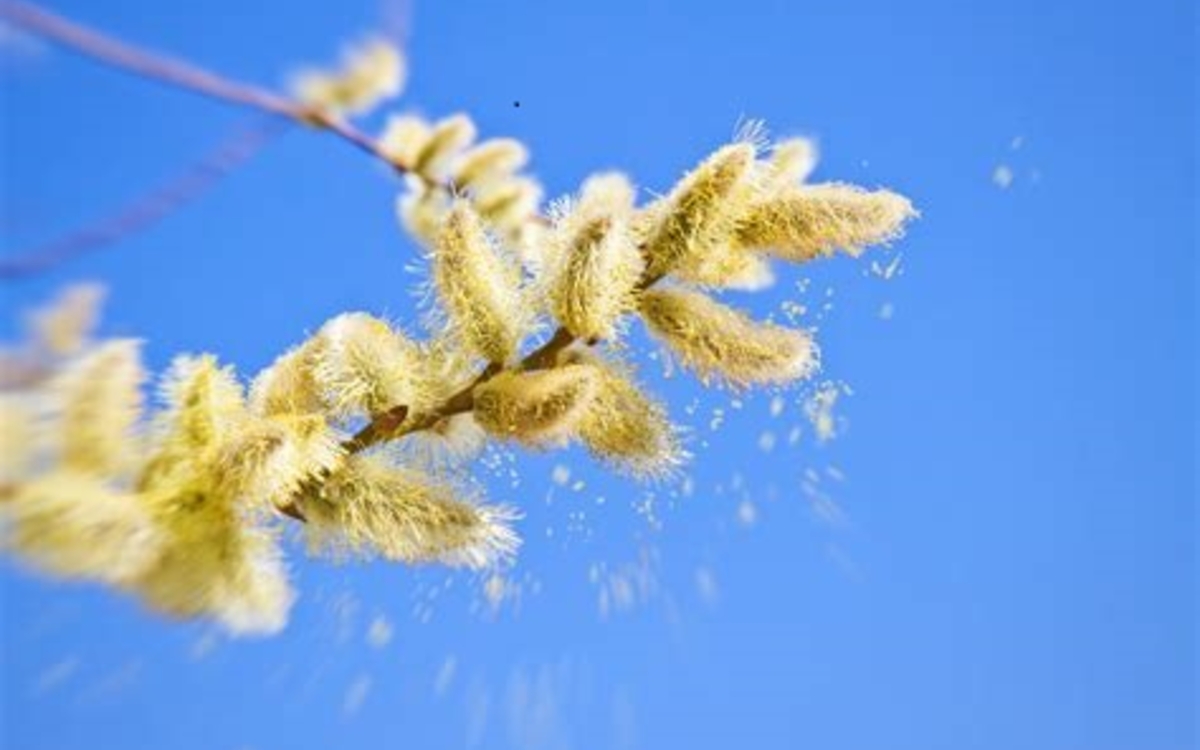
[156, 66]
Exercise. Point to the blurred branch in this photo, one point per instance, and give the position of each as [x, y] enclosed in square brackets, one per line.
[155, 66]
[246, 141]
[138, 61]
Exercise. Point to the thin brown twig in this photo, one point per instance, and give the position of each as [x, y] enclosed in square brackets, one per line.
[155, 66]
[234, 151]
[142, 62]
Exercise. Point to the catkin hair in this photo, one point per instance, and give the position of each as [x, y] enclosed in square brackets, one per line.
[535, 407]
[807, 222]
[478, 286]
[718, 342]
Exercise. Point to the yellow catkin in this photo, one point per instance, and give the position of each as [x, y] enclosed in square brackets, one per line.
[99, 402]
[791, 162]
[625, 427]
[446, 141]
[215, 560]
[808, 222]
[478, 286]
[536, 408]
[19, 438]
[596, 264]
[422, 212]
[745, 272]
[204, 406]
[74, 525]
[288, 386]
[701, 212]
[371, 72]
[494, 159]
[607, 193]
[508, 204]
[403, 138]
[718, 342]
[63, 327]
[369, 507]
[364, 367]
[269, 459]
[449, 443]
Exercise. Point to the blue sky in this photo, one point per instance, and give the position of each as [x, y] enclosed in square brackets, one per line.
[997, 551]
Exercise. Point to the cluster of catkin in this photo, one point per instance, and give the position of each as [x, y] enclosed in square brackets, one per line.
[182, 504]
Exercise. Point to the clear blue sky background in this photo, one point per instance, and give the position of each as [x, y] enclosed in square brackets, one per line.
[1009, 561]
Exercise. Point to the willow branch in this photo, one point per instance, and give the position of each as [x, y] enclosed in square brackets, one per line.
[386, 426]
[246, 141]
[180, 74]
[139, 61]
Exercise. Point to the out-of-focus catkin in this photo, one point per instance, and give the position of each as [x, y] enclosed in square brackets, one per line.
[62, 328]
[403, 138]
[75, 525]
[479, 287]
[491, 160]
[718, 342]
[508, 204]
[371, 72]
[215, 558]
[447, 139]
[538, 407]
[204, 407]
[806, 222]
[19, 438]
[100, 402]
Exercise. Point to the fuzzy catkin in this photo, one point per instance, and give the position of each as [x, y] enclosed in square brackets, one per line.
[204, 407]
[494, 159]
[403, 138]
[446, 140]
[595, 261]
[508, 204]
[537, 407]
[807, 222]
[270, 459]
[371, 72]
[791, 162]
[625, 427]
[363, 367]
[369, 507]
[215, 559]
[289, 386]
[100, 402]
[74, 525]
[479, 287]
[19, 438]
[718, 342]
[62, 328]
[702, 211]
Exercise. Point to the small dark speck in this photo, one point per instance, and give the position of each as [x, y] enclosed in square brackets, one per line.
[516, 104]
